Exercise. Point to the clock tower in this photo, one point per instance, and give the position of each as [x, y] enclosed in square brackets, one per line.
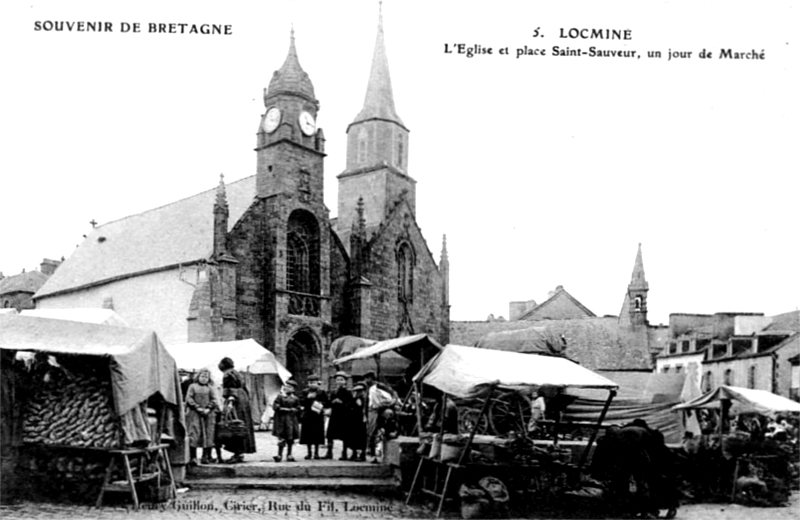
[377, 153]
[289, 255]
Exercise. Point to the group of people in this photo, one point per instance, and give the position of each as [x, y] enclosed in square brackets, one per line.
[360, 418]
[206, 416]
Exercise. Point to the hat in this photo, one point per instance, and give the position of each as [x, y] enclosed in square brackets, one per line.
[358, 386]
[291, 383]
[312, 377]
[341, 373]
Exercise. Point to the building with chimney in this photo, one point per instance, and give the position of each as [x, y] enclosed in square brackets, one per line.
[16, 292]
[563, 325]
[262, 258]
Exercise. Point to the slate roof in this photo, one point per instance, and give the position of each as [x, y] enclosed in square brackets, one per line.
[786, 322]
[595, 343]
[558, 294]
[29, 282]
[178, 233]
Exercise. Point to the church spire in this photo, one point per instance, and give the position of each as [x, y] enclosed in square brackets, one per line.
[634, 306]
[379, 100]
[637, 277]
[290, 78]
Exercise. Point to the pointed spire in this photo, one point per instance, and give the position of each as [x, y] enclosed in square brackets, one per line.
[291, 78]
[637, 277]
[379, 100]
[221, 199]
[444, 257]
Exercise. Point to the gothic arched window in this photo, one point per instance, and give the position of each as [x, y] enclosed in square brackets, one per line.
[405, 273]
[302, 253]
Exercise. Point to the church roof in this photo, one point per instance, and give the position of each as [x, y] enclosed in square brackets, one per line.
[595, 343]
[29, 282]
[291, 78]
[560, 295]
[178, 233]
[379, 100]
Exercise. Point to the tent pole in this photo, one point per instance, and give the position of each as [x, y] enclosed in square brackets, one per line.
[418, 397]
[477, 422]
[611, 393]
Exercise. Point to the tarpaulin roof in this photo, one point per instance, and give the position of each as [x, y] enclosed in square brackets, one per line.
[346, 345]
[467, 371]
[408, 346]
[247, 355]
[743, 400]
[140, 365]
[87, 315]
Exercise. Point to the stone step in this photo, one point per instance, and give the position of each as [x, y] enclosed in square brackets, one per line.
[373, 485]
[289, 470]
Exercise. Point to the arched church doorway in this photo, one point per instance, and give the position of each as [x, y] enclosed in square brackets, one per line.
[302, 356]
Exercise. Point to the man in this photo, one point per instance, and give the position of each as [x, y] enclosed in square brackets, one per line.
[379, 397]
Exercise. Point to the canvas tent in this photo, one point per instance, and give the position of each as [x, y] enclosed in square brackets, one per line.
[139, 364]
[418, 348]
[264, 374]
[743, 400]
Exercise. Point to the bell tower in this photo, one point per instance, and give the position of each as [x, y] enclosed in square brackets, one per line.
[377, 152]
[634, 307]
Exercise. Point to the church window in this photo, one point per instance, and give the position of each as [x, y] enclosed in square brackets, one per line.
[405, 273]
[361, 143]
[400, 149]
[302, 253]
[751, 377]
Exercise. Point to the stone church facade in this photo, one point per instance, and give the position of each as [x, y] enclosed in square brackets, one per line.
[263, 259]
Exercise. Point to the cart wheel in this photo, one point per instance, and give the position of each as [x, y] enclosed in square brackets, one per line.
[468, 421]
[509, 412]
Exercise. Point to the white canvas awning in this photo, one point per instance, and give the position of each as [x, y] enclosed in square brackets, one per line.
[410, 347]
[468, 371]
[247, 355]
[85, 315]
[743, 400]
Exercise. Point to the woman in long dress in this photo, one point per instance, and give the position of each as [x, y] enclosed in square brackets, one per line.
[233, 387]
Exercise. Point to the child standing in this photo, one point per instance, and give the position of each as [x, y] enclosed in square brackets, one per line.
[201, 408]
[286, 426]
[358, 435]
[339, 424]
[312, 423]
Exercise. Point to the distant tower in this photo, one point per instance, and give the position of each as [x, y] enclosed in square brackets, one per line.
[377, 153]
[634, 308]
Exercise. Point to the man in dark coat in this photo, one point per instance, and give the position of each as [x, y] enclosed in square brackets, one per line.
[340, 422]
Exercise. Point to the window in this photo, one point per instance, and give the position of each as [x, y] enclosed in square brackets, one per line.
[685, 344]
[405, 273]
[400, 146]
[665, 369]
[728, 379]
[751, 377]
[678, 369]
[302, 253]
[708, 382]
[673, 348]
[637, 304]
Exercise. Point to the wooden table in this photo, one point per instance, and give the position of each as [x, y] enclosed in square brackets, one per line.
[153, 462]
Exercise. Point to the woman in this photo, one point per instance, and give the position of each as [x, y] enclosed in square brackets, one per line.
[312, 422]
[201, 409]
[233, 387]
[340, 422]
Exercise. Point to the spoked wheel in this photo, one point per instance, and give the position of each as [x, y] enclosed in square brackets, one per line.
[510, 411]
[468, 421]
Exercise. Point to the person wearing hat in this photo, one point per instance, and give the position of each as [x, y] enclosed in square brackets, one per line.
[358, 435]
[286, 426]
[312, 423]
[339, 424]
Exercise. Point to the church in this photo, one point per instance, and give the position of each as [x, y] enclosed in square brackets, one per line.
[261, 257]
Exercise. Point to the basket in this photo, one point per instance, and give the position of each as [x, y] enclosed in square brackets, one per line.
[151, 492]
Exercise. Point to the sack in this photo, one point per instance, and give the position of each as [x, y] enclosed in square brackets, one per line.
[316, 407]
[380, 398]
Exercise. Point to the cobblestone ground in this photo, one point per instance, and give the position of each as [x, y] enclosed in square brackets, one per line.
[315, 504]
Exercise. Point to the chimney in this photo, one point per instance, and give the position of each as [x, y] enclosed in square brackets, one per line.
[517, 309]
[48, 267]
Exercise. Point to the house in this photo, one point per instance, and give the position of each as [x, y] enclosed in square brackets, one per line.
[16, 292]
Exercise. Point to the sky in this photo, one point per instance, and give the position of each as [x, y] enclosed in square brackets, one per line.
[540, 170]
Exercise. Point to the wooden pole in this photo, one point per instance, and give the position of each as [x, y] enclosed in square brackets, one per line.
[611, 393]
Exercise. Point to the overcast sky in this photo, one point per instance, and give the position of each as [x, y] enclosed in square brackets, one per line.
[541, 171]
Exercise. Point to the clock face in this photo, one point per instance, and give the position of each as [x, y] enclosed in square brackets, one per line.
[307, 124]
[272, 119]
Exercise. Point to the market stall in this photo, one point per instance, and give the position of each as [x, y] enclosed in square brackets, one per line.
[90, 392]
[473, 373]
[418, 348]
[738, 456]
[264, 374]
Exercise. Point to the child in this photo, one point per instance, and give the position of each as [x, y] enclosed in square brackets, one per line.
[339, 424]
[312, 426]
[358, 436]
[201, 408]
[286, 427]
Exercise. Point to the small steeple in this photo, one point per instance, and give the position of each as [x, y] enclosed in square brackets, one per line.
[379, 100]
[221, 200]
[290, 78]
[637, 277]
[444, 258]
[220, 219]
